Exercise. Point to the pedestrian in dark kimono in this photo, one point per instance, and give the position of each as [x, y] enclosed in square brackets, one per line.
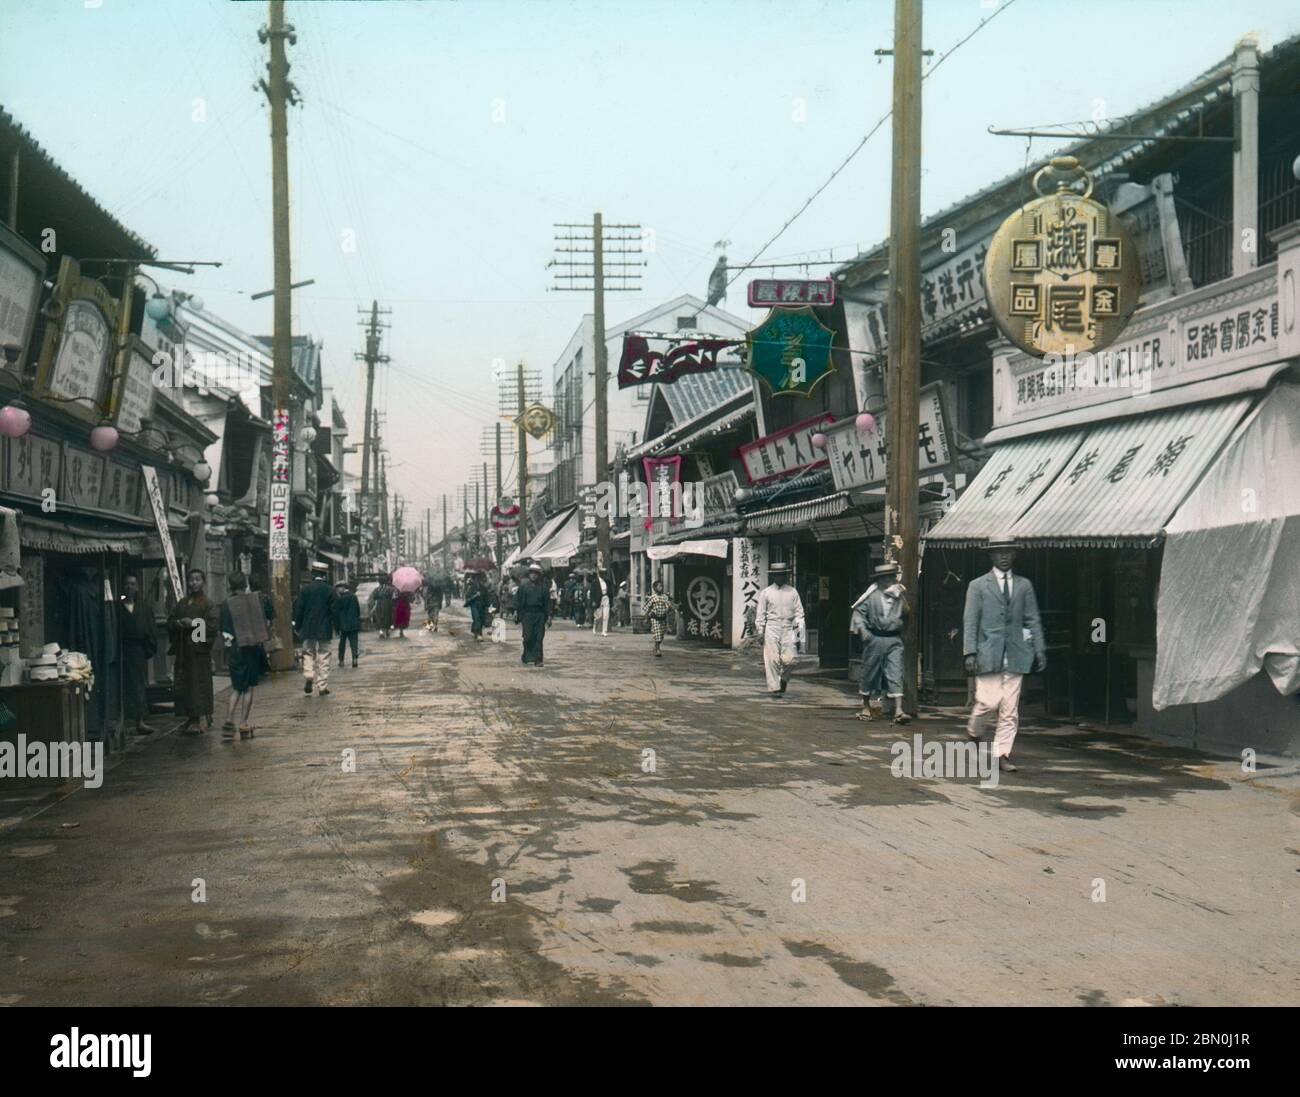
[381, 604]
[533, 602]
[476, 599]
[139, 638]
[878, 618]
[402, 613]
[244, 629]
[432, 605]
[193, 623]
[657, 608]
[347, 620]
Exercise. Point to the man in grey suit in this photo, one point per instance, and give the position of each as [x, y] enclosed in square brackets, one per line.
[1002, 642]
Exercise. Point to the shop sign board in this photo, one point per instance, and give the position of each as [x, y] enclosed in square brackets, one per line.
[78, 343]
[83, 476]
[858, 458]
[34, 465]
[21, 272]
[1062, 275]
[791, 351]
[280, 486]
[791, 292]
[784, 451]
[748, 578]
[159, 508]
[719, 494]
[643, 364]
[1176, 341]
[702, 604]
[134, 393]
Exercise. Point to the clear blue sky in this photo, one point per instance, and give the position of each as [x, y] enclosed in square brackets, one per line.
[678, 114]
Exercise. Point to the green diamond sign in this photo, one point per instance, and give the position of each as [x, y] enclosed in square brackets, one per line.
[791, 351]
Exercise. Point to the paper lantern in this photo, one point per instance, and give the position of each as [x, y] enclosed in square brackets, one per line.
[819, 440]
[202, 472]
[14, 421]
[866, 423]
[104, 438]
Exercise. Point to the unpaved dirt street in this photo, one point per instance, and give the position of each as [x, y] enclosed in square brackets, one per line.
[501, 842]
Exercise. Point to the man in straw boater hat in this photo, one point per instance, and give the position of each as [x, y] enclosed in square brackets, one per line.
[878, 618]
[780, 622]
[313, 621]
[1002, 642]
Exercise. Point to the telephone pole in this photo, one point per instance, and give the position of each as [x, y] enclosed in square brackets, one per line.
[446, 567]
[280, 93]
[623, 279]
[904, 359]
[523, 461]
[498, 502]
[372, 358]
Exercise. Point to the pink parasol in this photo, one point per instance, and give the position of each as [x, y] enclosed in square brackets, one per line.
[407, 579]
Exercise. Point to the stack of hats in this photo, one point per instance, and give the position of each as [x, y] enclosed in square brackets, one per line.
[8, 631]
[74, 666]
[45, 667]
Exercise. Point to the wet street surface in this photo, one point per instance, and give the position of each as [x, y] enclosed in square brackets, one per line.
[504, 838]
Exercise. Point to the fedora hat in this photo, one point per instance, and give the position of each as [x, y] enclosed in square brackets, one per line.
[885, 569]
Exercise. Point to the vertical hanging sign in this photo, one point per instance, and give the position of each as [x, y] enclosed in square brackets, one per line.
[164, 531]
[748, 578]
[280, 466]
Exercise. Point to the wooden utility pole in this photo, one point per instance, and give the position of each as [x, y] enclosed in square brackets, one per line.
[523, 463]
[280, 93]
[904, 360]
[428, 541]
[446, 566]
[498, 502]
[602, 387]
[372, 358]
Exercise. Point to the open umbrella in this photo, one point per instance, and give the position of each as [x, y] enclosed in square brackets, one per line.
[481, 564]
[407, 579]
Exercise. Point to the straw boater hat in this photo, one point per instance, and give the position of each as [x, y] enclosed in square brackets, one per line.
[319, 565]
[884, 569]
[1001, 541]
[535, 567]
[778, 569]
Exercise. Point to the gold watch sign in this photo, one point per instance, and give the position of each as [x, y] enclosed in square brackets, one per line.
[1062, 275]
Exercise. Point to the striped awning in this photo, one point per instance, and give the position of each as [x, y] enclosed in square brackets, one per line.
[35, 533]
[558, 539]
[795, 516]
[1129, 476]
[1004, 489]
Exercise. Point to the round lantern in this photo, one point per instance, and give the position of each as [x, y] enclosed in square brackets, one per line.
[866, 423]
[103, 438]
[15, 421]
[211, 499]
[158, 308]
[819, 440]
[308, 435]
[202, 472]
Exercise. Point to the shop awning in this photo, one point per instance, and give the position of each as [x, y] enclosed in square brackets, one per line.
[557, 539]
[1128, 477]
[796, 516]
[716, 547]
[1229, 604]
[1004, 489]
[37, 533]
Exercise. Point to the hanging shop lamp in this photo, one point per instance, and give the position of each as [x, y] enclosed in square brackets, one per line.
[104, 438]
[15, 420]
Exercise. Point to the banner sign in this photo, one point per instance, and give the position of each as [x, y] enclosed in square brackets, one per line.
[720, 495]
[791, 351]
[858, 458]
[767, 292]
[505, 515]
[748, 578]
[280, 473]
[134, 393]
[21, 271]
[164, 531]
[662, 477]
[640, 365]
[784, 452]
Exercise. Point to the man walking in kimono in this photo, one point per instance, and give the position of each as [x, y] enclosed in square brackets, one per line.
[313, 621]
[533, 601]
[780, 622]
[194, 623]
[878, 618]
[1002, 642]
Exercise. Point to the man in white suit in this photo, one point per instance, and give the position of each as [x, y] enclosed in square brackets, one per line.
[1002, 641]
[779, 621]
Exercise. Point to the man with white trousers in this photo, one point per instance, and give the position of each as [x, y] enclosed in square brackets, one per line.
[1002, 642]
[780, 622]
[600, 616]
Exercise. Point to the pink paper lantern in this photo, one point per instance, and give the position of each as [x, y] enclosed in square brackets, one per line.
[866, 423]
[819, 440]
[104, 438]
[14, 421]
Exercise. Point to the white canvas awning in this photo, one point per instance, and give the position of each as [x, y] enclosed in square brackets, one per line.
[1229, 601]
[716, 547]
[558, 538]
[1004, 489]
[1128, 476]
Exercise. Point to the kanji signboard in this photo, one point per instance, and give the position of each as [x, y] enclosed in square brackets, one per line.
[791, 351]
[1062, 275]
[791, 292]
[280, 479]
[858, 458]
[785, 451]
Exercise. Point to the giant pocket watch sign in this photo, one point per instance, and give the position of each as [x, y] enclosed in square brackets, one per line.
[791, 351]
[1062, 274]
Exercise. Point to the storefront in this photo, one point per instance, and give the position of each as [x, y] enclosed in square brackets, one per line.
[1143, 539]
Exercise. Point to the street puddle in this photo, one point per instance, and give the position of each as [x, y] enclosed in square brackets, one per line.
[31, 851]
[433, 917]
